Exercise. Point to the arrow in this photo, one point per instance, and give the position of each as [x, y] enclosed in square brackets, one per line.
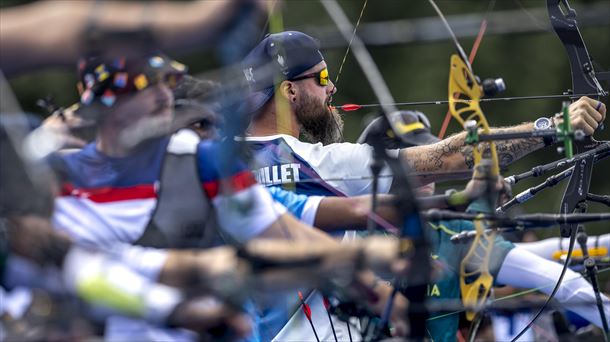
[330, 319]
[350, 107]
[307, 312]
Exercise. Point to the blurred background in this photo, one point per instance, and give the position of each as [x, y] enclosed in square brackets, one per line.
[411, 48]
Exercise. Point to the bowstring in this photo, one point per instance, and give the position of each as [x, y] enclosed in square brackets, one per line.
[271, 9]
[350, 42]
[452, 35]
[532, 18]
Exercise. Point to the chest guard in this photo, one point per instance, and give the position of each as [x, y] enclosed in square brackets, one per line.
[184, 216]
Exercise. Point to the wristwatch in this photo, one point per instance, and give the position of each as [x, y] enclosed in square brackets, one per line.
[542, 124]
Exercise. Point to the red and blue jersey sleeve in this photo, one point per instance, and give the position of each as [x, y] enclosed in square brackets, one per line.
[245, 208]
[215, 168]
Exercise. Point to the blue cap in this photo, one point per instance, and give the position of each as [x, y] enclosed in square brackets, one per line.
[279, 56]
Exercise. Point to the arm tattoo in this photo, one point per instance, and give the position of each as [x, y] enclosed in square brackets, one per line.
[437, 157]
[510, 151]
[453, 154]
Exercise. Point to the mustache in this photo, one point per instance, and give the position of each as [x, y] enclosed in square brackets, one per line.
[319, 122]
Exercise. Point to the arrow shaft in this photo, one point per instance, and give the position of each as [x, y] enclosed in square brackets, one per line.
[491, 99]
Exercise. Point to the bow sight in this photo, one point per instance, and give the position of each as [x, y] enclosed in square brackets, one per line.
[563, 133]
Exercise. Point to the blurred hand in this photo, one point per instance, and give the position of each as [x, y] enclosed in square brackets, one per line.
[62, 123]
[34, 238]
[477, 187]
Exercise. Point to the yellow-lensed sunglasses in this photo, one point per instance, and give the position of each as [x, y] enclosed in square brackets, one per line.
[321, 76]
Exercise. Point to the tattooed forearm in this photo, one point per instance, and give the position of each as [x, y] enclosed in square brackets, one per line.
[510, 151]
[453, 154]
[448, 154]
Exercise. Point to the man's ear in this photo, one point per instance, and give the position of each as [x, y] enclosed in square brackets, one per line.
[288, 90]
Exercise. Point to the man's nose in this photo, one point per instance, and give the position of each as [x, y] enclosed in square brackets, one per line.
[332, 87]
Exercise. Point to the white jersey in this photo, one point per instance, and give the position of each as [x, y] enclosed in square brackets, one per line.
[341, 169]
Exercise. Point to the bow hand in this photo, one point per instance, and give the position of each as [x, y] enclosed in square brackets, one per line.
[586, 114]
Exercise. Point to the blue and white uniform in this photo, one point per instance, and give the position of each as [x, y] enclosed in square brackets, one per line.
[282, 161]
[315, 169]
[303, 207]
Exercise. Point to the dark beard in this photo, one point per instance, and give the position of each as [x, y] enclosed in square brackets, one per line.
[318, 122]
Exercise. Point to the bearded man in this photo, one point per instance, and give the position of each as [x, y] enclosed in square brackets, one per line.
[291, 97]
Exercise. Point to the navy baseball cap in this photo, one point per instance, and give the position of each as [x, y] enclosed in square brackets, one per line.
[278, 57]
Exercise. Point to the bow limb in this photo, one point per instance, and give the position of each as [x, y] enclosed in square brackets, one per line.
[473, 53]
[464, 97]
[583, 75]
[563, 21]
[419, 273]
[475, 279]
[582, 71]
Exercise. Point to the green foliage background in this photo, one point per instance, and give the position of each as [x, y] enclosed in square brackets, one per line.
[531, 64]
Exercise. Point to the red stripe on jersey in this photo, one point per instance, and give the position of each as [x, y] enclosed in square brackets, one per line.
[238, 182]
[109, 194]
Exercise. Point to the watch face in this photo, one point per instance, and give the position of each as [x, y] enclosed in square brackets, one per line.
[542, 123]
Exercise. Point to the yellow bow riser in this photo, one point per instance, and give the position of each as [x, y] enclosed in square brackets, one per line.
[476, 284]
[464, 95]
